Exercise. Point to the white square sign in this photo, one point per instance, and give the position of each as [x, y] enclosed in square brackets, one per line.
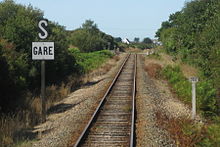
[42, 50]
[194, 79]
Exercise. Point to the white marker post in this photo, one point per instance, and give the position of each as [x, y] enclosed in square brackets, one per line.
[194, 80]
[109, 46]
[43, 51]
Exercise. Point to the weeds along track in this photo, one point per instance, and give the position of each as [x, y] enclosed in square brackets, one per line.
[112, 123]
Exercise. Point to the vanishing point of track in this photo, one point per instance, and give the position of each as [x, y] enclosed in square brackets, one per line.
[112, 124]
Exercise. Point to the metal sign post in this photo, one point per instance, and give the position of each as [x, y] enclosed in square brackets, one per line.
[194, 80]
[43, 51]
[43, 90]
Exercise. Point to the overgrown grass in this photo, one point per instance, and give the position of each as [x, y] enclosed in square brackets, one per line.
[187, 132]
[16, 129]
[155, 55]
[206, 93]
[91, 60]
[182, 130]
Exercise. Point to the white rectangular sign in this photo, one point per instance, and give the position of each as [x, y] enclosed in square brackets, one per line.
[42, 50]
[194, 79]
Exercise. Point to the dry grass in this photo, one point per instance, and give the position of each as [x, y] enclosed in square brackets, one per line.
[116, 58]
[153, 70]
[184, 132]
[188, 71]
[11, 125]
[133, 50]
[103, 69]
[13, 128]
[35, 105]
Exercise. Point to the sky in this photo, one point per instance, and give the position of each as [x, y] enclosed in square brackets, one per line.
[119, 18]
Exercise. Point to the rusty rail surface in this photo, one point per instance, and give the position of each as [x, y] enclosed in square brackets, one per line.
[113, 122]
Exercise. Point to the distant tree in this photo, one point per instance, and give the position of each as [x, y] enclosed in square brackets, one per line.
[118, 39]
[164, 25]
[89, 38]
[90, 25]
[136, 40]
[147, 40]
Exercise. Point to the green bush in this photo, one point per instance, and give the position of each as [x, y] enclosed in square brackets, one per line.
[206, 93]
[211, 134]
[92, 60]
[193, 34]
[89, 38]
[155, 55]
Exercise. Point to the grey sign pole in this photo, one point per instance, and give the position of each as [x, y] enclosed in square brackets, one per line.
[43, 51]
[43, 35]
[43, 105]
[194, 80]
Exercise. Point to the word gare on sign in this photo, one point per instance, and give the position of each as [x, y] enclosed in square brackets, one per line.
[43, 50]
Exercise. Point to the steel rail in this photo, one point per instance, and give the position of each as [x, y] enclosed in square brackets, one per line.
[133, 104]
[100, 104]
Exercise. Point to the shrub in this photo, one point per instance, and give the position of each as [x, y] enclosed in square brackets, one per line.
[92, 60]
[206, 93]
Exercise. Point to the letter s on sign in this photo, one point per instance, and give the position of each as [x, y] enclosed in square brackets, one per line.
[43, 32]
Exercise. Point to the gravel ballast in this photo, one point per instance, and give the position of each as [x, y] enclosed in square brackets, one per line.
[66, 123]
[63, 127]
[154, 96]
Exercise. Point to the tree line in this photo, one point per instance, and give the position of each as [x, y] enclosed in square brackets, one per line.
[193, 34]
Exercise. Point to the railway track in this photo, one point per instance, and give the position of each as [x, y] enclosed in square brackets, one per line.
[112, 124]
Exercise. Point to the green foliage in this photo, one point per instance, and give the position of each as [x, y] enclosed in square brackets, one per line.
[147, 43]
[155, 55]
[169, 41]
[164, 25]
[13, 74]
[142, 45]
[118, 39]
[19, 74]
[147, 40]
[90, 38]
[92, 60]
[193, 34]
[206, 93]
[211, 136]
[136, 40]
[123, 46]
[18, 24]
